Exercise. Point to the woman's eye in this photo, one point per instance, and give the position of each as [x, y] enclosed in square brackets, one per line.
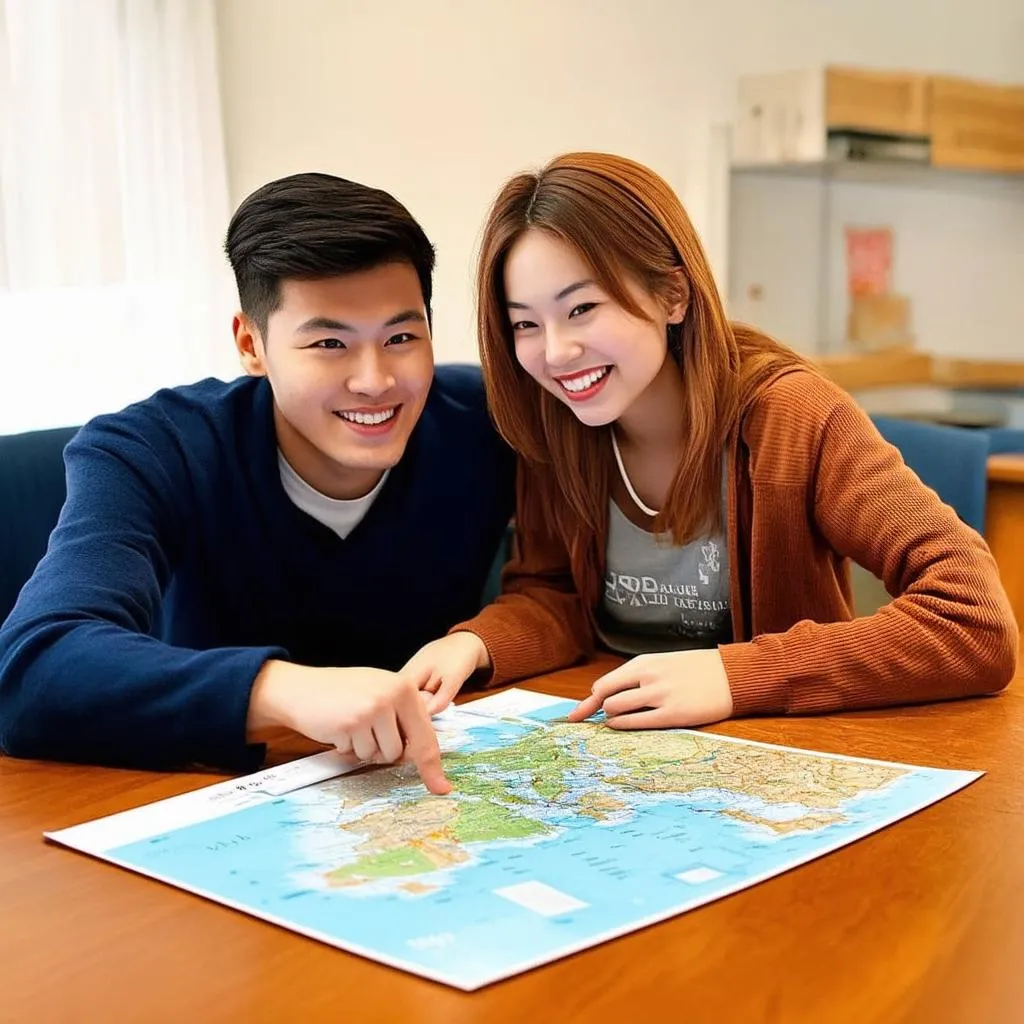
[583, 307]
[523, 325]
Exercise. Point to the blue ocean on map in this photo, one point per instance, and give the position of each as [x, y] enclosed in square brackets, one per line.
[664, 855]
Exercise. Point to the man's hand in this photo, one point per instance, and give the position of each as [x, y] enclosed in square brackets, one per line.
[441, 667]
[368, 713]
[660, 691]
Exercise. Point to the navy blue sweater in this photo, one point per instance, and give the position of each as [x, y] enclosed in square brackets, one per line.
[179, 566]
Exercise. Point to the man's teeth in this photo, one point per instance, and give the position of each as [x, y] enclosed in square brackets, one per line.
[584, 382]
[368, 419]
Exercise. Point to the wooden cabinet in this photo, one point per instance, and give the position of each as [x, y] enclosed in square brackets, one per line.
[976, 126]
[841, 113]
[890, 103]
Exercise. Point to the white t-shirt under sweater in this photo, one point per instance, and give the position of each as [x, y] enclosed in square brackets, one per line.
[340, 515]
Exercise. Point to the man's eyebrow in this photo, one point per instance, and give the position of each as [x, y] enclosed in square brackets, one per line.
[405, 316]
[324, 323]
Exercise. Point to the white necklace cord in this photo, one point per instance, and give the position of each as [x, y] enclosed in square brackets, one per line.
[625, 479]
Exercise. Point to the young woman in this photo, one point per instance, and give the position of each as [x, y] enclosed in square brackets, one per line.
[691, 492]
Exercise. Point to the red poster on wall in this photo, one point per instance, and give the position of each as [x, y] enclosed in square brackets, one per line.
[868, 261]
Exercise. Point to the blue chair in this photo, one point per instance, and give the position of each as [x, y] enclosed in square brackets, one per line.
[493, 586]
[1004, 440]
[951, 460]
[32, 492]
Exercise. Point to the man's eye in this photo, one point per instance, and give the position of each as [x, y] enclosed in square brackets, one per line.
[328, 343]
[400, 339]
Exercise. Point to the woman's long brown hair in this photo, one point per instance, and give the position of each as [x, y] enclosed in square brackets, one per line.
[627, 224]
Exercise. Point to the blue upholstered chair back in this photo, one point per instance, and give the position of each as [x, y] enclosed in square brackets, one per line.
[31, 495]
[951, 460]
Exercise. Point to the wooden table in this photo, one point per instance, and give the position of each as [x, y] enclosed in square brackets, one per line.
[1004, 525]
[921, 922]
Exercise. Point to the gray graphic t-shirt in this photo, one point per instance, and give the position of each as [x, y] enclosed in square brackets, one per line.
[659, 597]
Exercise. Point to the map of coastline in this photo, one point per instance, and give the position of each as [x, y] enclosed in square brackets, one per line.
[556, 836]
[527, 789]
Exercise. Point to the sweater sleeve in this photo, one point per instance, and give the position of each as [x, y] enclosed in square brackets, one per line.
[82, 678]
[949, 632]
[538, 624]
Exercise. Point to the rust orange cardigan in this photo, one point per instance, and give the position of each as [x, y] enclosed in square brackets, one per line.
[811, 484]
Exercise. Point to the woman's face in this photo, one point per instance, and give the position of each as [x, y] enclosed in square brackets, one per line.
[573, 338]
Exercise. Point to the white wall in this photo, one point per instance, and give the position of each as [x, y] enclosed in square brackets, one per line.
[958, 255]
[440, 102]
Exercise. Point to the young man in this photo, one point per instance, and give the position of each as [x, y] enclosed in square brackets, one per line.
[225, 548]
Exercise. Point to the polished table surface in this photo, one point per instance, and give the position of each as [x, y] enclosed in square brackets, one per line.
[923, 921]
[1004, 525]
[1007, 468]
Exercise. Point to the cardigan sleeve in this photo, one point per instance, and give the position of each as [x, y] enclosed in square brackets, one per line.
[949, 630]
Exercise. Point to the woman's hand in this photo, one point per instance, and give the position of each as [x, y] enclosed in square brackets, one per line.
[660, 691]
[441, 667]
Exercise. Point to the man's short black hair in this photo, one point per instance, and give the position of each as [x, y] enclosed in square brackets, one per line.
[312, 225]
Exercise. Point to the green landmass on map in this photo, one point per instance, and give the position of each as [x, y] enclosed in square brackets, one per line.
[428, 834]
[605, 770]
[537, 759]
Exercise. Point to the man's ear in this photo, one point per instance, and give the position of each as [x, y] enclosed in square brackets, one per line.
[250, 345]
[677, 297]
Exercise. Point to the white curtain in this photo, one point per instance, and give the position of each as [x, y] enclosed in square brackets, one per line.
[113, 206]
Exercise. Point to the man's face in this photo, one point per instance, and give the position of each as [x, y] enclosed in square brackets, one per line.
[350, 362]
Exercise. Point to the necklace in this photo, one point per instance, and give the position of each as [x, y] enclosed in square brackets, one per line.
[625, 479]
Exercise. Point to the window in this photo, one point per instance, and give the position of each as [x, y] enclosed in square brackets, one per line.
[113, 204]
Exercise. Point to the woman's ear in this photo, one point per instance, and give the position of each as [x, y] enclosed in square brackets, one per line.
[677, 296]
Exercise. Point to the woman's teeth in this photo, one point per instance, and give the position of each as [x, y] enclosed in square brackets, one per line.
[586, 381]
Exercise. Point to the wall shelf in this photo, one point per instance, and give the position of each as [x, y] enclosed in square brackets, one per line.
[785, 188]
[884, 172]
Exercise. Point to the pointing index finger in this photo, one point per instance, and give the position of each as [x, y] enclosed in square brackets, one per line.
[421, 742]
